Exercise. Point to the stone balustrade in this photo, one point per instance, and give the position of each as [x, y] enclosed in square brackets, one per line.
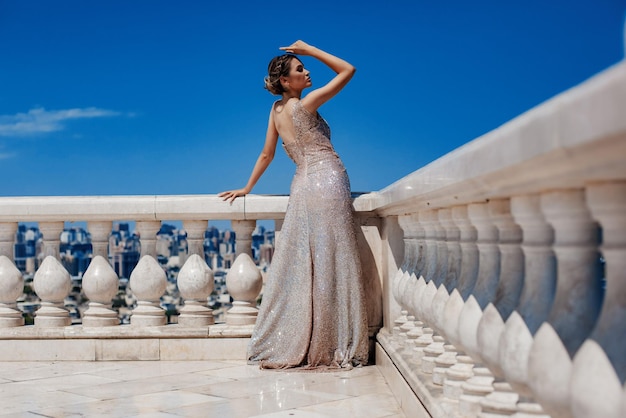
[195, 280]
[512, 276]
[496, 272]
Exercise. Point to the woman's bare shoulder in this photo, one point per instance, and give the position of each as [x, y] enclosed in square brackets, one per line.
[284, 109]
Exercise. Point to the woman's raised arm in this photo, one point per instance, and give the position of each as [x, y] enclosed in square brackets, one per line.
[313, 100]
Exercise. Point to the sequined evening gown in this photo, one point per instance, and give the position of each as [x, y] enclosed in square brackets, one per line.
[313, 310]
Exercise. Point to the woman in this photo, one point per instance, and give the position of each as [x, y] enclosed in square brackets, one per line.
[313, 311]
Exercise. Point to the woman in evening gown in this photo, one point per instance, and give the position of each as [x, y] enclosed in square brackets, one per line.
[313, 313]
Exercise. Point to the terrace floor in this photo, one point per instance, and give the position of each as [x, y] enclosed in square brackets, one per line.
[188, 388]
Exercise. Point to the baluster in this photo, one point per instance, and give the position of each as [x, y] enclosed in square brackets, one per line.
[51, 232]
[478, 386]
[414, 244]
[11, 287]
[535, 300]
[243, 231]
[195, 279]
[576, 303]
[461, 370]
[418, 261]
[244, 280]
[450, 268]
[52, 283]
[599, 369]
[449, 272]
[100, 232]
[148, 282]
[100, 284]
[502, 401]
[195, 283]
[425, 288]
[435, 303]
[486, 283]
[467, 274]
[147, 232]
[244, 283]
[195, 237]
[7, 238]
[441, 246]
[431, 271]
[401, 278]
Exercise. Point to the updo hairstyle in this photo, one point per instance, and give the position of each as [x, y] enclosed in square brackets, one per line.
[278, 67]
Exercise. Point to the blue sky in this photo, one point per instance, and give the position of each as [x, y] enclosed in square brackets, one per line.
[165, 97]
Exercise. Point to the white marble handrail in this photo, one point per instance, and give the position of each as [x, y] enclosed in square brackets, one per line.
[529, 317]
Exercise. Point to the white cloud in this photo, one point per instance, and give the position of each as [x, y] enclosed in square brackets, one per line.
[40, 120]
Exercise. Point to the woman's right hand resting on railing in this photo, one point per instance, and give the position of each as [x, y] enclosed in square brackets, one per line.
[231, 195]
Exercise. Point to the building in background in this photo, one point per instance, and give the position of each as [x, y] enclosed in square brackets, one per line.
[124, 249]
[27, 246]
[75, 254]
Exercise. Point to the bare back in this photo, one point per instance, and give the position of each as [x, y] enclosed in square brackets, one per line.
[283, 120]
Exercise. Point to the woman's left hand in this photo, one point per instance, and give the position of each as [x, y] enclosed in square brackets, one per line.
[298, 48]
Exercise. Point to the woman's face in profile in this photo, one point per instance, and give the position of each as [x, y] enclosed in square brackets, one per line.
[299, 77]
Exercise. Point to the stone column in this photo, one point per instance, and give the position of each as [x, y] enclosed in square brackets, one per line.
[537, 294]
[195, 236]
[445, 357]
[479, 385]
[148, 282]
[243, 230]
[100, 232]
[147, 232]
[195, 282]
[487, 279]
[51, 232]
[11, 287]
[509, 285]
[469, 251]
[600, 365]
[401, 281]
[100, 284]
[577, 300]
[502, 401]
[244, 283]
[452, 239]
[7, 238]
[460, 369]
[489, 253]
[278, 226]
[423, 288]
[52, 283]
[446, 275]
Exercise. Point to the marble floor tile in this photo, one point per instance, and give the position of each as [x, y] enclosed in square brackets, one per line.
[130, 388]
[243, 407]
[14, 403]
[366, 406]
[168, 389]
[58, 383]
